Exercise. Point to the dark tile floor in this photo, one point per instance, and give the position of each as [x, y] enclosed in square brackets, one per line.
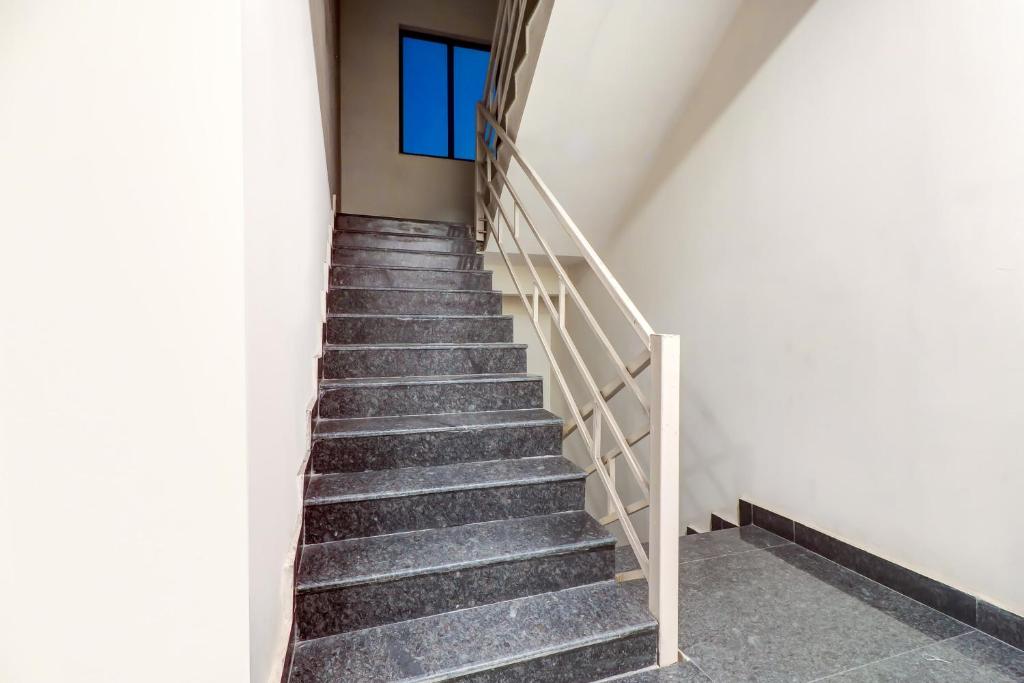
[755, 607]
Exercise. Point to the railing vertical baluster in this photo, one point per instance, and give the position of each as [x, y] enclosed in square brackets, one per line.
[561, 303]
[664, 526]
[536, 303]
[476, 175]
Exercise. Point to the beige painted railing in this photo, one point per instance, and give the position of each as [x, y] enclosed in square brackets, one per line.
[659, 484]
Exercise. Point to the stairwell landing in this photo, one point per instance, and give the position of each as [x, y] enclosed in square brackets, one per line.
[444, 535]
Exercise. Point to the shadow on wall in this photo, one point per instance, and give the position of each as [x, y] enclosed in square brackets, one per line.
[758, 28]
[323, 16]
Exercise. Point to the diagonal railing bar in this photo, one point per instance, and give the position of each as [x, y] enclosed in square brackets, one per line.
[630, 509]
[581, 366]
[626, 375]
[608, 391]
[613, 427]
[631, 535]
[632, 439]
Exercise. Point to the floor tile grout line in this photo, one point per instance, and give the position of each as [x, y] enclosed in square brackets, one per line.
[696, 666]
[893, 656]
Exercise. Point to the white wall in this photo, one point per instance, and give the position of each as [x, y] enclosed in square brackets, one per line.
[287, 226]
[122, 365]
[834, 229]
[376, 179]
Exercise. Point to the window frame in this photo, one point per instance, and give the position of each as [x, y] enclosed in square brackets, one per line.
[450, 45]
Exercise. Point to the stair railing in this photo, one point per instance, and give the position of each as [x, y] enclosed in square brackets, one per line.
[496, 152]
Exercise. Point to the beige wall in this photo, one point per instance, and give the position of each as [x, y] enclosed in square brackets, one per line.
[288, 218]
[834, 229]
[325, 25]
[123, 544]
[376, 179]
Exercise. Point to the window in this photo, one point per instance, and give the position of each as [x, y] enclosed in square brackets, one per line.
[441, 81]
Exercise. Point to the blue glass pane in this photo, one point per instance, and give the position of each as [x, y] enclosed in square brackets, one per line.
[468, 73]
[424, 97]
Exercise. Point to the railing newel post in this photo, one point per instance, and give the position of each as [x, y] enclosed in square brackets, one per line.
[664, 515]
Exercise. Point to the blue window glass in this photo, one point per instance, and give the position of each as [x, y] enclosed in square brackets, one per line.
[469, 73]
[441, 82]
[424, 97]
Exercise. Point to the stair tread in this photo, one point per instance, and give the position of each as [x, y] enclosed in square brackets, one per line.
[394, 424]
[325, 489]
[393, 556]
[361, 247]
[429, 379]
[399, 233]
[472, 640]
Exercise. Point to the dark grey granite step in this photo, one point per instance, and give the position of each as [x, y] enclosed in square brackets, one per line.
[374, 397]
[380, 443]
[365, 256]
[386, 240]
[570, 636]
[364, 582]
[410, 278]
[412, 301]
[346, 221]
[418, 329]
[358, 504]
[399, 360]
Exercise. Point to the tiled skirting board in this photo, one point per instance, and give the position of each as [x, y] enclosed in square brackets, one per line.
[969, 609]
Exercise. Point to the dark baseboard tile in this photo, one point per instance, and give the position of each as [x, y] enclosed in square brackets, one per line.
[775, 523]
[719, 523]
[998, 623]
[690, 531]
[746, 513]
[934, 594]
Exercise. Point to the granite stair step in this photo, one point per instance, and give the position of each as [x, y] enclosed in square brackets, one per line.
[389, 240]
[412, 301]
[410, 278]
[381, 443]
[418, 329]
[368, 256]
[379, 396]
[570, 636]
[365, 582]
[359, 504]
[347, 221]
[397, 360]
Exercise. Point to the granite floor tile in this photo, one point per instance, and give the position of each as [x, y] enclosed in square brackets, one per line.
[696, 547]
[970, 658]
[786, 614]
[682, 672]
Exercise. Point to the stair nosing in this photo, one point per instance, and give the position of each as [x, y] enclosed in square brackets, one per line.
[535, 422]
[397, 219]
[336, 247]
[474, 271]
[553, 550]
[462, 486]
[416, 345]
[414, 289]
[402, 380]
[423, 316]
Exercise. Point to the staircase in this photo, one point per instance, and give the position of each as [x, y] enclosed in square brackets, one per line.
[444, 534]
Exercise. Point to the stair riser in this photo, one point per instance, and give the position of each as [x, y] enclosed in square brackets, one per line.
[418, 330]
[408, 259]
[436, 510]
[415, 449]
[410, 242]
[373, 604]
[398, 362]
[590, 663]
[430, 399]
[413, 302]
[373, 224]
[342, 276]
